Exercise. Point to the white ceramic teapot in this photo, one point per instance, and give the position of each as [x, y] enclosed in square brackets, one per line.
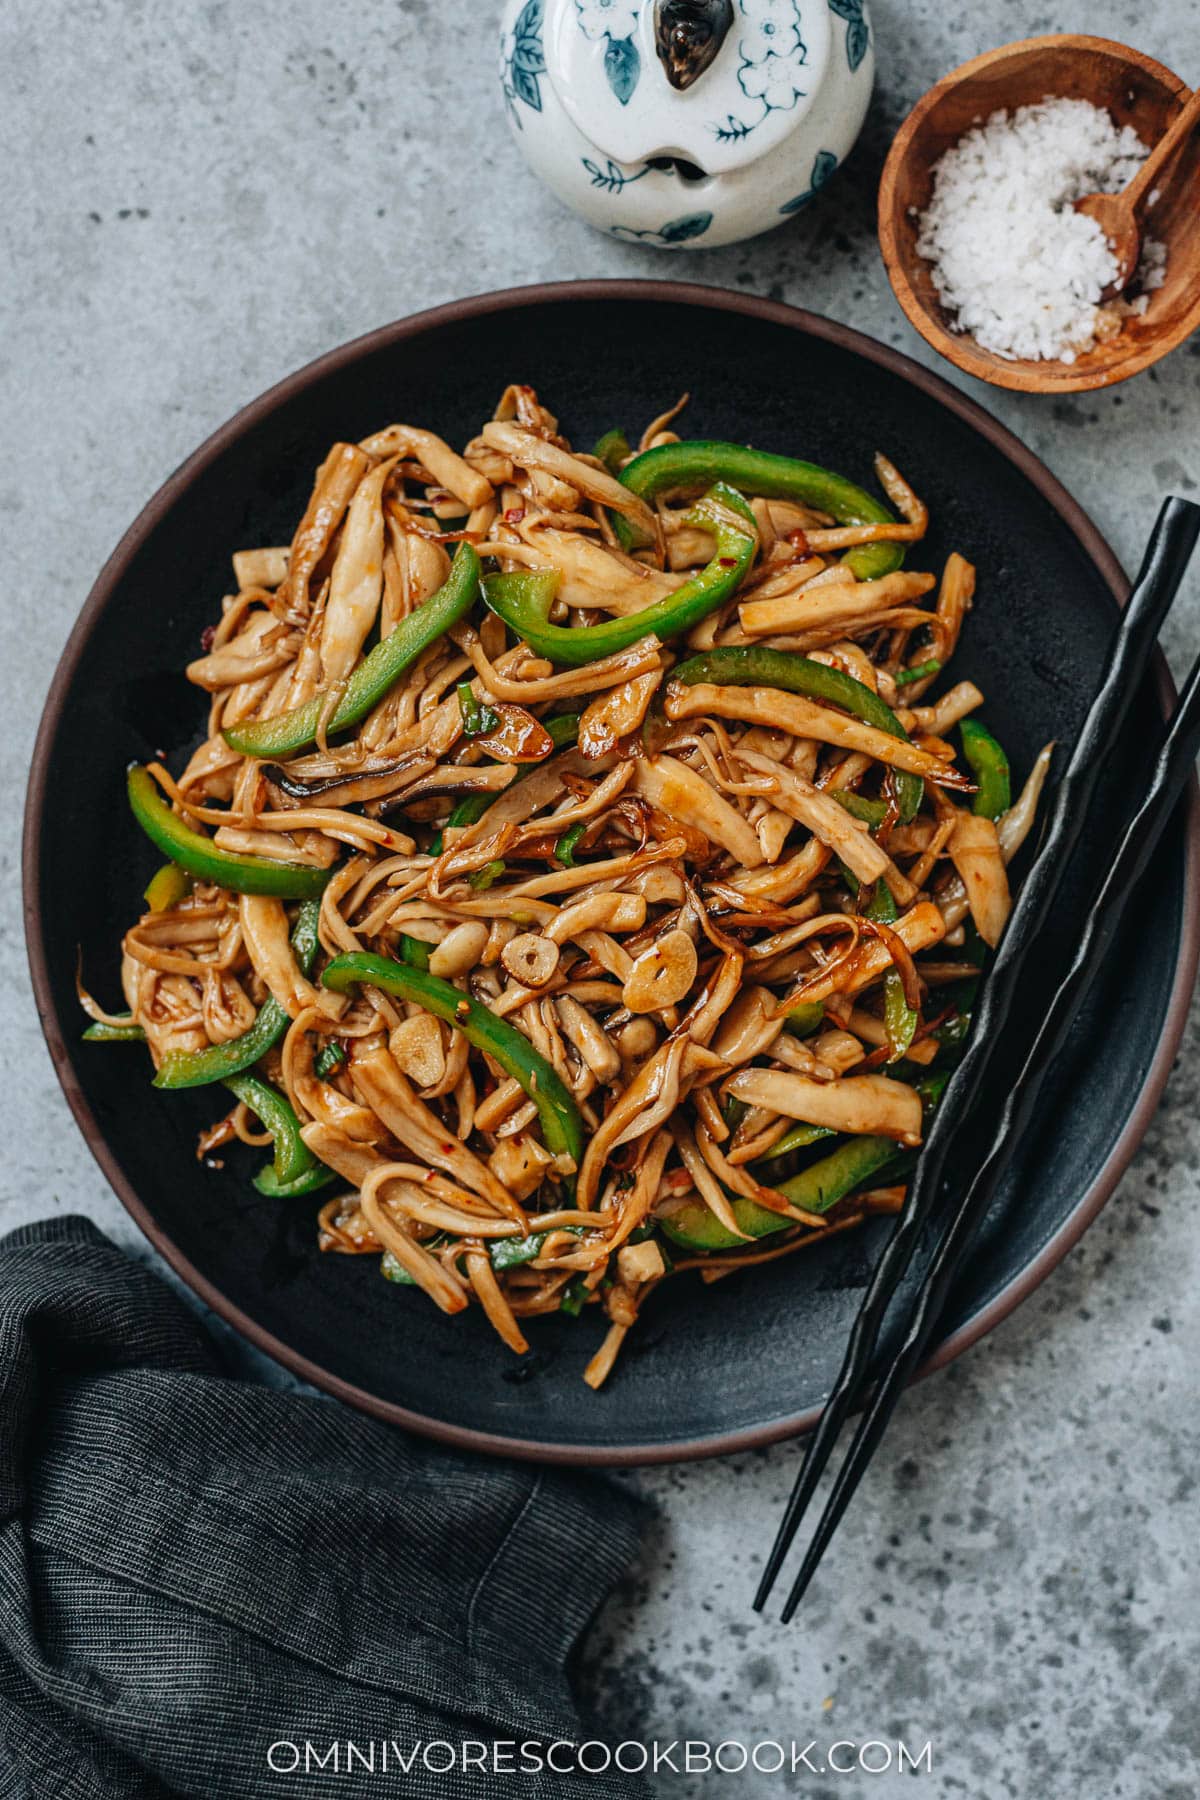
[686, 122]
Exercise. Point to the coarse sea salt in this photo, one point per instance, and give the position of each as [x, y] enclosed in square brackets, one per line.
[1021, 270]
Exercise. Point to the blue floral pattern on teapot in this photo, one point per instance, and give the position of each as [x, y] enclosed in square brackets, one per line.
[615, 21]
[750, 141]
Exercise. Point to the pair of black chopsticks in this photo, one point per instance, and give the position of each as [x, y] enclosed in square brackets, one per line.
[954, 1229]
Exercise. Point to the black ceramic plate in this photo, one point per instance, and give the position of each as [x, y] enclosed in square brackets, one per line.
[710, 1368]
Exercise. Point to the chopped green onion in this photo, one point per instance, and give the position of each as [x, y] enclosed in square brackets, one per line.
[328, 1059]
[511, 1252]
[564, 850]
[574, 1297]
[476, 717]
[919, 671]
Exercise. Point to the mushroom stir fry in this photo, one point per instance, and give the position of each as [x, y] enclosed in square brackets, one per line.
[575, 880]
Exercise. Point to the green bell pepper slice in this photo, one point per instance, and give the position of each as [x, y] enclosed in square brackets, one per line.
[697, 463]
[201, 857]
[798, 1138]
[613, 450]
[989, 765]
[523, 601]
[166, 888]
[899, 1019]
[816, 1189]
[871, 812]
[562, 1126]
[292, 731]
[415, 953]
[196, 1068]
[310, 1182]
[293, 1158]
[803, 1020]
[755, 665]
[101, 1033]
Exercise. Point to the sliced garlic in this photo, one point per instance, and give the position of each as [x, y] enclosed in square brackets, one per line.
[530, 959]
[661, 975]
[417, 1047]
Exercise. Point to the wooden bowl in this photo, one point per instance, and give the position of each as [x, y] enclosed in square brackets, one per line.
[1137, 91]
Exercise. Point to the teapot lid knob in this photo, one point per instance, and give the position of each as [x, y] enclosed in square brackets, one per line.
[688, 35]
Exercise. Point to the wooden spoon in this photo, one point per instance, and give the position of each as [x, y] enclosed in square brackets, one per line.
[1119, 215]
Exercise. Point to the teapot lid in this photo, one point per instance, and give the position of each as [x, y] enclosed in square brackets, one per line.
[616, 65]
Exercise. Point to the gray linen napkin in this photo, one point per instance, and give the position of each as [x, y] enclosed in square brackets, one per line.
[194, 1569]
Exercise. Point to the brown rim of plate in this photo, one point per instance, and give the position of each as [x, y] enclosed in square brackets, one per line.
[673, 293]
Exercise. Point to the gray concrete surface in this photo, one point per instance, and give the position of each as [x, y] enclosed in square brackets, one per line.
[198, 199]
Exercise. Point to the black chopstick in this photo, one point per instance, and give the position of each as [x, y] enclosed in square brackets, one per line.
[1167, 554]
[1174, 765]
